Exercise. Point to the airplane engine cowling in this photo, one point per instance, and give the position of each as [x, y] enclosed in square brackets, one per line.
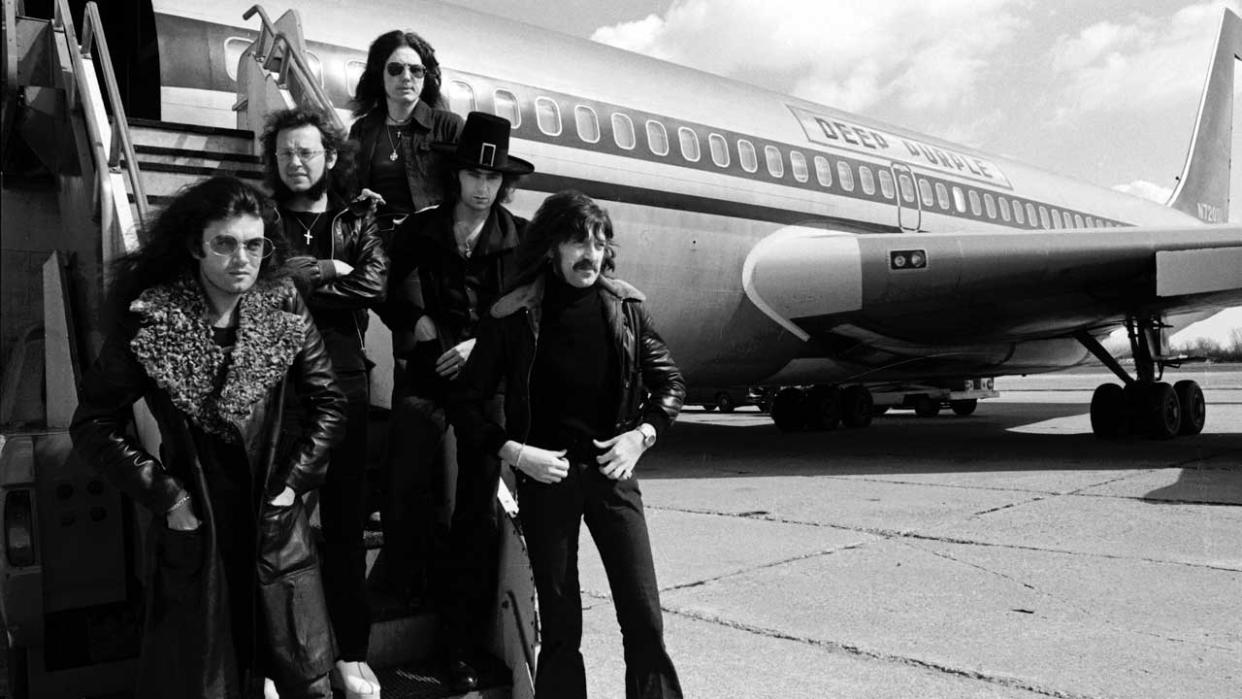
[800, 272]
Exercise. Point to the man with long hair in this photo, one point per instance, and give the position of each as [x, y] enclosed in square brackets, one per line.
[337, 257]
[205, 327]
[449, 264]
[589, 386]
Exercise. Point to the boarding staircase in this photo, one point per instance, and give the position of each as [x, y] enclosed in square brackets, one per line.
[114, 174]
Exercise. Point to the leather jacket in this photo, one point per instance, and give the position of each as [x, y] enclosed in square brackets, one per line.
[652, 388]
[340, 303]
[422, 164]
[157, 352]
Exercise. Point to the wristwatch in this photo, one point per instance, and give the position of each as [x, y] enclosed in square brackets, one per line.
[649, 434]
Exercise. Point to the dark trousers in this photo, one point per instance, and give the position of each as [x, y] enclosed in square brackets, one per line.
[414, 497]
[342, 513]
[613, 512]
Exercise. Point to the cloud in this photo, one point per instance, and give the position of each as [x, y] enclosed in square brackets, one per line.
[1137, 65]
[848, 54]
[1147, 190]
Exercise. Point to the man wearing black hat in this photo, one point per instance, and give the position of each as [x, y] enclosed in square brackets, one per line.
[448, 265]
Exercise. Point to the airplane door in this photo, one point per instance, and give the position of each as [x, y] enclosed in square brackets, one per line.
[909, 207]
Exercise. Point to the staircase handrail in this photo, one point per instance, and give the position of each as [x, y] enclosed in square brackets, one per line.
[266, 45]
[104, 162]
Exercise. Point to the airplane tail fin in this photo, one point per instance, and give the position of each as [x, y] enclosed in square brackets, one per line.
[1203, 188]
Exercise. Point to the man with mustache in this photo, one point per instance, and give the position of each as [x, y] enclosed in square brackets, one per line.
[448, 264]
[338, 260]
[589, 386]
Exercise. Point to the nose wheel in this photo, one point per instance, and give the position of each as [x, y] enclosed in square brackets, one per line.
[1144, 406]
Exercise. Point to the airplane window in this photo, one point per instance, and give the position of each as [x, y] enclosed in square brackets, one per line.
[657, 138]
[907, 187]
[975, 206]
[506, 106]
[353, 73]
[925, 189]
[823, 171]
[1090, 222]
[776, 166]
[990, 204]
[959, 200]
[587, 123]
[1056, 218]
[623, 131]
[548, 116]
[1069, 222]
[1043, 216]
[886, 183]
[942, 195]
[234, 47]
[797, 163]
[1017, 212]
[866, 179]
[1003, 204]
[746, 155]
[1030, 214]
[719, 148]
[315, 65]
[689, 144]
[461, 99]
[845, 175]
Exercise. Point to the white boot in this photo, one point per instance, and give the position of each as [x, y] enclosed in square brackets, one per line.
[269, 689]
[356, 679]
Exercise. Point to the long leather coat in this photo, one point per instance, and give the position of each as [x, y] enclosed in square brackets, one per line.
[652, 388]
[422, 164]
[157, 353]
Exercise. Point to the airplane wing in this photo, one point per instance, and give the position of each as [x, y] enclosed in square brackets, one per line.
[942, 288]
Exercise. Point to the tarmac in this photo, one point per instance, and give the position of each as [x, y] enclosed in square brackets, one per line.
[1005, 554]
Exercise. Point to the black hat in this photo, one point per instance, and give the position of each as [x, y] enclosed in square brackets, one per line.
[484, 145]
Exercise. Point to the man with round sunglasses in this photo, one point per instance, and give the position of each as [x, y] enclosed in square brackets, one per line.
[206, 328]
[338, 260]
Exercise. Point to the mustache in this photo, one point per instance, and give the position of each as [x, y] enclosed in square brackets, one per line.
[584, 265]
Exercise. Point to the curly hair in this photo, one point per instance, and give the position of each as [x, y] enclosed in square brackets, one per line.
[561, 218]
[342, 178]
[170, 243]
[370, 96]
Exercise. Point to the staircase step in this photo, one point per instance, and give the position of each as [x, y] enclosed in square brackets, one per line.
[190, 137]
[162, 180]
[187, 156]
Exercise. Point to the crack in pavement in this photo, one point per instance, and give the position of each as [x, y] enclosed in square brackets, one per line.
[858, 651]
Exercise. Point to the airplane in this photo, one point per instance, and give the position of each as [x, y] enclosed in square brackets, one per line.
[787, 243]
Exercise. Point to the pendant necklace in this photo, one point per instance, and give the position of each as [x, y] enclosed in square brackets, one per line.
[308, 235]
[388, 130]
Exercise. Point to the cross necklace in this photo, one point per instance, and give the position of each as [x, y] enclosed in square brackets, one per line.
[310, 237]
[388, 130]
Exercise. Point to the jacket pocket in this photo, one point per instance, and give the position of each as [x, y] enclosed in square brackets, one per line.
[285, 544]
[180, 558]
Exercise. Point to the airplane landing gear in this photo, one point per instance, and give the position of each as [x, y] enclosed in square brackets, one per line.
[1145, 405]
[822, 408]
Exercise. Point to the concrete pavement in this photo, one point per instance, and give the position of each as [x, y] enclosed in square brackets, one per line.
[1007, 554]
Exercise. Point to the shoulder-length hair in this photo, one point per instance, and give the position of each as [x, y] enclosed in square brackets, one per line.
[562, 217]
[342, 178]
[370, 96]
[173, 243]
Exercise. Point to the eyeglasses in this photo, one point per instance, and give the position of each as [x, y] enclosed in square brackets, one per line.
[417, 71]
[304, 154]
[226, 246]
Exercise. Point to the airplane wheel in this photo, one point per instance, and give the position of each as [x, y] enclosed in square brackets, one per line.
[857, 406]
[1162, 413]
[924, 406]
[1109, 411]
[823, 405]
[789, 410]
[1194, 407]
[725, 403]
[964, 407]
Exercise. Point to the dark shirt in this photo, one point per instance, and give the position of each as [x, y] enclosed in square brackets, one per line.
[339, 328]
[573, 389]
[388, 176]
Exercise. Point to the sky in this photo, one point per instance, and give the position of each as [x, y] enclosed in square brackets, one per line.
[1105, 91]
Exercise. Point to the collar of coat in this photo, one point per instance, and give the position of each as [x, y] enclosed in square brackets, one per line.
[423, 115]
[498, 235]
[174, 346]
[530, 296]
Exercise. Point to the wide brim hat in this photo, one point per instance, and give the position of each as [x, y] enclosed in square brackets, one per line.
[484, 145]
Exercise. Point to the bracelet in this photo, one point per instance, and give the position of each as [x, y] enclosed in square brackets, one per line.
[183, 500]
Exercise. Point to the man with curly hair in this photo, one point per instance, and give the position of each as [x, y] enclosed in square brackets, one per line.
[207, 329]
[338, 260]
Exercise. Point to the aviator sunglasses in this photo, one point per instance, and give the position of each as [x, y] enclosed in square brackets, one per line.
[417, 70]
[226, 246]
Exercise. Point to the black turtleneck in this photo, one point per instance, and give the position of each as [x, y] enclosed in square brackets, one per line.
[574, 381]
